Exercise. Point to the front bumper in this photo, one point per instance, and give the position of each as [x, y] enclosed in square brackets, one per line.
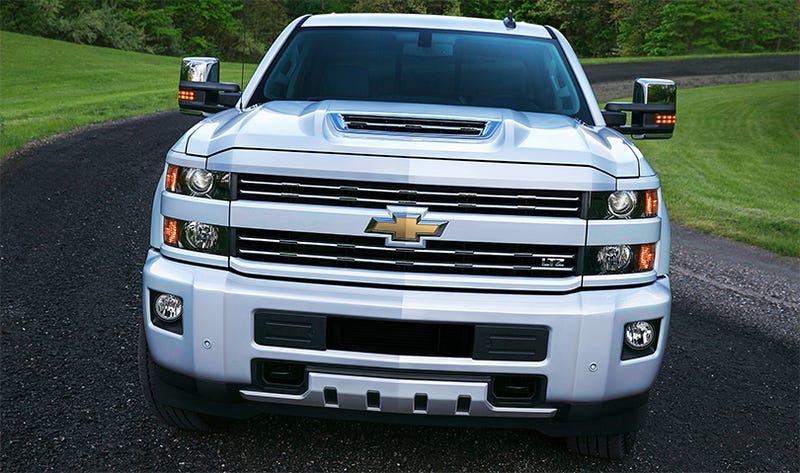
[583, 364]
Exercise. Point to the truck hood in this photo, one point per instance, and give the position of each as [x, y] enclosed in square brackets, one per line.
[534, 138]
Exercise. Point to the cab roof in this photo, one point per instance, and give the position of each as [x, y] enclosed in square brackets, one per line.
[391, 20]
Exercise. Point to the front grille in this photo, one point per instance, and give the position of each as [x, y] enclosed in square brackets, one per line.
[439, 256]
[378, 195]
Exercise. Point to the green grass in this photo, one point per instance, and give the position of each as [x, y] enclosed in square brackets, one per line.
[617, 60]
[732, 168]
[49, 86]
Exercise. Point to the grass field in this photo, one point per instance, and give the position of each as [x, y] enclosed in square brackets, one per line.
[732, 168]
[49, 86]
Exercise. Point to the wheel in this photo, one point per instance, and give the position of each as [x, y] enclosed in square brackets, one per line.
[614, 446]
[151, 385]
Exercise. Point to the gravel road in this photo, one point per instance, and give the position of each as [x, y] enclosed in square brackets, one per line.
[74, 216]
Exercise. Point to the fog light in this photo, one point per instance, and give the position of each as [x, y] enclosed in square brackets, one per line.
[621, 203]
[201, 236]
[614, 259]
[639, 335]
[199, 181]
[169, 307]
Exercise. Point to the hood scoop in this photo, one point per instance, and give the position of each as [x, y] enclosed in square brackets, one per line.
[428, 126]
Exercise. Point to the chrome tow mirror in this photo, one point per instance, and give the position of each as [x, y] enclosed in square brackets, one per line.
[652, 110]
[199, 89]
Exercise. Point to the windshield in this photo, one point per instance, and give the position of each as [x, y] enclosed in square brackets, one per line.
[424, 66]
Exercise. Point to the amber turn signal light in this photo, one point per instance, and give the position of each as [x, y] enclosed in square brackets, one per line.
[171, 235]
[186, 95]
[647, 256]
[171, 179]
[651, 203]
[664, 119]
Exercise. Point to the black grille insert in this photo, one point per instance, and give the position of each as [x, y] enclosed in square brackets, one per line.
[439, 256]
[400, 338]
[364, 194]
[414, 125]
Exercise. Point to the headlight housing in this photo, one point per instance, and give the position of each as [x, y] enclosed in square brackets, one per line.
[619, 259]
[198, 182]
[196, 236]
[623, 204]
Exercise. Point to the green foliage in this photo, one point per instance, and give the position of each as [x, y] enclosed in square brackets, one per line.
[234, 29]
[714, 26]
[731, 169]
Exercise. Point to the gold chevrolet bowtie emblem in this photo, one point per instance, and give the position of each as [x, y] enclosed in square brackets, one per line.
[405, 227]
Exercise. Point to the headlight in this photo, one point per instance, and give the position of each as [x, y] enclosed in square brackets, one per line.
[198, 182]
[619, 259]
[196, 236]
[623, 204]
[201, 236]
[614, 259]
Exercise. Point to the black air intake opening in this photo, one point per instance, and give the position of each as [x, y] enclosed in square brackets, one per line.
[400, 338]
[433, 126]
[516, 391]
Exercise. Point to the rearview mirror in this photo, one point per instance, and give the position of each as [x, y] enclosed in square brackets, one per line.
[652, 110]
[199, 89]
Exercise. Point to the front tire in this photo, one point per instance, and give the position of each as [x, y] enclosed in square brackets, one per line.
[152, 386]
[614, 446]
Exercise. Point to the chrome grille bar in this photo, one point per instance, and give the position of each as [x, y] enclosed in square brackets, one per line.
[347, 259]
[404, 191]
[436, 198]
[439, 256]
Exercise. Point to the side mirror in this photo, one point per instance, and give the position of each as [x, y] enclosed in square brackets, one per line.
[652, 110]
[199, 89]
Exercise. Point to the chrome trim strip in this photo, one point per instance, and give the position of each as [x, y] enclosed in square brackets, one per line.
[287, 254]
[340, 124]
[397, 396]
[404, 250]
[406, 202]
[409, 280]
[403, 191]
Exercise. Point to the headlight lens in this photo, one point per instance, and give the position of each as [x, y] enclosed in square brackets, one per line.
[198, 182]
[619, 259]
[196, 236]
[623, 204]
[201, 236]
[614, 259]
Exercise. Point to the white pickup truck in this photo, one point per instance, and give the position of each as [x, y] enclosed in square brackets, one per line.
[411, 218]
